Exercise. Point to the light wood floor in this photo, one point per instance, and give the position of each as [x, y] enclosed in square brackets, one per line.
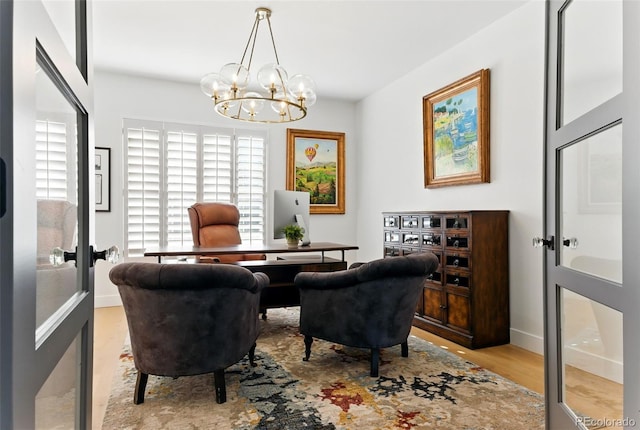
[517, 364]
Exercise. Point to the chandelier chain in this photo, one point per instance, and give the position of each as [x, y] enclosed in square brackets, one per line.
[273, 42]
[252, 35]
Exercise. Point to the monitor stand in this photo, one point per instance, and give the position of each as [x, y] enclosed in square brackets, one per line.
[305, 237]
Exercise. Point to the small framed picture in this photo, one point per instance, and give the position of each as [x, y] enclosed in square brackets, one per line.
[103, 179]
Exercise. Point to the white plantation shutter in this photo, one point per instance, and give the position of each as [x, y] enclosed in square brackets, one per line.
[181, 183]
[143, 204]
[51, 160]
[217, 161]
[250, 162]
[197, 164]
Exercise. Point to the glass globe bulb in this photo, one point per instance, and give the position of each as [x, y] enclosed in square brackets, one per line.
[310, 99]
[254, 104]
[211, 84]
[234, 74]
[272, 76]
[226, 102]
[301, 86]
[279, 105]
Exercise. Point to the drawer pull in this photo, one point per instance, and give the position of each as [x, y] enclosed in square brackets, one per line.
[456, 262]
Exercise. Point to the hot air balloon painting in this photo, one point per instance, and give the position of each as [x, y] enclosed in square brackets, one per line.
[315, 163]
[311, 151]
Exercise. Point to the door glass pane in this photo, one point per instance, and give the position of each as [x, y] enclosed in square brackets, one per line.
[592, 205]
[63, 16]
[592, 365]
[56, 400]
[591, 55]
[56, 192]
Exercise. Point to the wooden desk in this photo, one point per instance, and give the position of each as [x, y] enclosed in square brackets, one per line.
[278, 248]
[281, 291]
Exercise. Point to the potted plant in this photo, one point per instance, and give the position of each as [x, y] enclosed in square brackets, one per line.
[293, 233]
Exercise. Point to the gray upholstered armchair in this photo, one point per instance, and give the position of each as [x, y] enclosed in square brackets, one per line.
[189, 319]
[370, 305]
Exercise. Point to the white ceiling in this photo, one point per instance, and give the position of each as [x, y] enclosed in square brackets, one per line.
[350, 48]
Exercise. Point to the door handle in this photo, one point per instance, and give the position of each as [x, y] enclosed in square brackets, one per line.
[59, 256]
[571, 242]
[539, 242]
[112, 254]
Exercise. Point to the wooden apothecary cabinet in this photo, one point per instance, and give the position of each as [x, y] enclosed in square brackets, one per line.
[467, 299]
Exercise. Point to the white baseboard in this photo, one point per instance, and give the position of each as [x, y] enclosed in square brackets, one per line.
[592, 363]
[604, 367]
[107, 301]
[527, 341]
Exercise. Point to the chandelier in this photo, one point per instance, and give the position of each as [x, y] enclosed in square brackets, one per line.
[281, 99]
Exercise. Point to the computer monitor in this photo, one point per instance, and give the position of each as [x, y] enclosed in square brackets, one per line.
[290, 207]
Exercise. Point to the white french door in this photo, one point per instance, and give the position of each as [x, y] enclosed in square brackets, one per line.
[46, 147]
[592, 276]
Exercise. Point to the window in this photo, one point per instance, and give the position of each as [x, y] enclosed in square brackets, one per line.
[55, 151]
[171, 166]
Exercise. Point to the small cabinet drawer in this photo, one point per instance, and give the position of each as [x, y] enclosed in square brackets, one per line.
[391, 251]
[410, 239]
[457, 260]
[391, 221]
[431, 221]
[410, 222]
[457, 222]
[435, 277]
[392, 236]
[455, 241]
[457, 279]
[431, 239]
[409, 251]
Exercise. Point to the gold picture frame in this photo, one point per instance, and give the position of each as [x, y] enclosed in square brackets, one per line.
[456, 132]
[315, 163]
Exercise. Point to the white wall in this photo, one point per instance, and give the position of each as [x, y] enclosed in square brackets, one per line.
[390, 174]
[119, 96]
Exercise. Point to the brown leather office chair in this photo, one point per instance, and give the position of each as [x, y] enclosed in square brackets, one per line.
[216, 224]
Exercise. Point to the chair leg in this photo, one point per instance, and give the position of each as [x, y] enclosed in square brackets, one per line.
[221, 389]
[405, 349]
[141, 384]
[375, 358]
[308, 340]
[252, 355]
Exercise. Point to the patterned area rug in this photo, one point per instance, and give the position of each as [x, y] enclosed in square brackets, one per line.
[432, 388]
